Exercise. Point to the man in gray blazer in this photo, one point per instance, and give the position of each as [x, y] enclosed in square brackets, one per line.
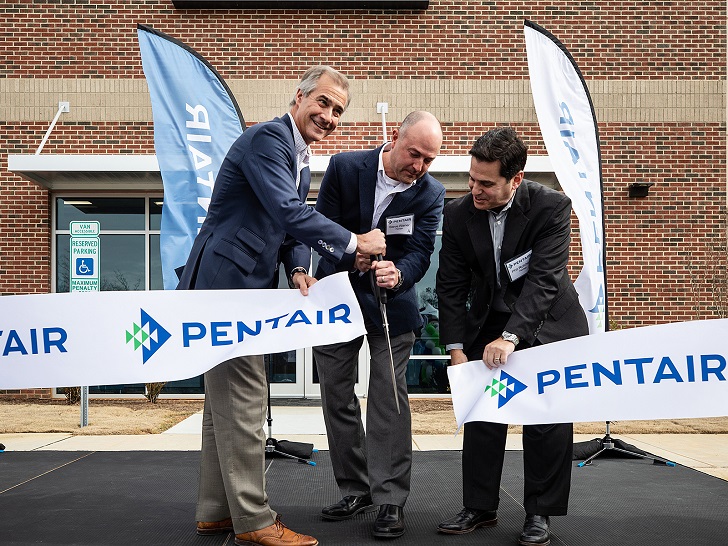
[257, 218]
[488, 308]
[386, 188]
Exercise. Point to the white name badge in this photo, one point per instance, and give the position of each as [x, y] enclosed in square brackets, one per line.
[400, 225]
[518, 266]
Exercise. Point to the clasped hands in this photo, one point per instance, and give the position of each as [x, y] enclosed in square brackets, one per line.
[386, 274]
[367, 244]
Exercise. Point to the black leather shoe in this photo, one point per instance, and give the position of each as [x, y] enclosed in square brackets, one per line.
[348, 507]
[535, 531]
[389, 522]
[468, 520]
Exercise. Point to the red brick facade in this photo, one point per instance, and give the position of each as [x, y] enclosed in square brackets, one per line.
[460, 40]
[666, 254]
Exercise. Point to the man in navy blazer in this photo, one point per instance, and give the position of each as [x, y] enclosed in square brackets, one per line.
[258, 218]
[386, 188]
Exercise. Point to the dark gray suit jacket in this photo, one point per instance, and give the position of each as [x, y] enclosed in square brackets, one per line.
[347, 197]
[257, 218]
[544, 303]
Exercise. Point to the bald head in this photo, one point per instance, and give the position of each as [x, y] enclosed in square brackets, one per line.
[414, 146]
[426, 121]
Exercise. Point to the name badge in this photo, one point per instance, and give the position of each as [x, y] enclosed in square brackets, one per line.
[400, 225]
[518, 266]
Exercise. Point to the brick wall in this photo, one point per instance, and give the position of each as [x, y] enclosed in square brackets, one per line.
[475, 39]
[663, 250]
[666, 254]
[33, 394]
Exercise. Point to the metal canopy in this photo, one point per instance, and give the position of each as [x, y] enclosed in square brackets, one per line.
[89, 172]
[75, 172]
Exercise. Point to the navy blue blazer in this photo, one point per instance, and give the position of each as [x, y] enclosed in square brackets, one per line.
[257, 218]
[347, 197]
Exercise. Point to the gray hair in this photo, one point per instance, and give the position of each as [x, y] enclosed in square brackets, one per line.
[310, 79]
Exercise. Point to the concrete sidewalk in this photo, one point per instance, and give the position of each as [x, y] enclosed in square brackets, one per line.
[706, 453]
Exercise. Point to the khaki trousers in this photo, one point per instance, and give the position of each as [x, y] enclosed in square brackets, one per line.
[232, 468]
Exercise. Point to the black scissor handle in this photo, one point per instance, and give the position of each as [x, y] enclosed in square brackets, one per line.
[379, 291]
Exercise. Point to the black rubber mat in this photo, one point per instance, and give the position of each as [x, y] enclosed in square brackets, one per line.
[148, 498]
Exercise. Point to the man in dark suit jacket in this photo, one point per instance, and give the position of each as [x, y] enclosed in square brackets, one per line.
[488, 307]
[386, 188]
[256, 219]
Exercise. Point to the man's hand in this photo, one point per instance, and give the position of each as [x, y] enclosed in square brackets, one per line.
[387, 274]
[363, 262]
[303, 282]
[496, 353]
[457, 356]
[371, 243]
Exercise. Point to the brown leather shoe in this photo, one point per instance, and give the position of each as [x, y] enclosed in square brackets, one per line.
[214, 527]
[274, 535]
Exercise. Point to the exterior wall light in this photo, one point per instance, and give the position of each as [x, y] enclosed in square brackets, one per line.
[639, 189]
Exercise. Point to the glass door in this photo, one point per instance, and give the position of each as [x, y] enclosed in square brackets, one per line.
[286, 374]
[312, 388]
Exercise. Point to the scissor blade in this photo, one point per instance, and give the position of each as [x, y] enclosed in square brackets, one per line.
[385, 322]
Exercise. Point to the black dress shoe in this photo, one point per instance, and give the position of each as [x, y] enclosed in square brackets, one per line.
[348, 507]
[389, 522]
[468, 520]
[535, 531]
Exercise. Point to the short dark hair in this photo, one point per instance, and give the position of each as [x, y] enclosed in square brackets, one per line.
[502, 144]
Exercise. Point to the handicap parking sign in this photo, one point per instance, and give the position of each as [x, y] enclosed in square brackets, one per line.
[85, 267]
[84, 263]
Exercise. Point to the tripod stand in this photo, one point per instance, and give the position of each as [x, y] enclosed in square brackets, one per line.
[608, 445]
[299, 452]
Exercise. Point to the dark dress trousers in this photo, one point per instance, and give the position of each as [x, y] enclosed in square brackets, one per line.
[256, 219]
[543, 307]
[379, 461]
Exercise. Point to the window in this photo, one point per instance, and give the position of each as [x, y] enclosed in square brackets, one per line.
[128, 257]
[427, 367]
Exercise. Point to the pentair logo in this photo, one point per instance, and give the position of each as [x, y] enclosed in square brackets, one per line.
[505, 388]
[150, 336]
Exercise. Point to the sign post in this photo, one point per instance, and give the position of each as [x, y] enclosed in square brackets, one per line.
[84, 263]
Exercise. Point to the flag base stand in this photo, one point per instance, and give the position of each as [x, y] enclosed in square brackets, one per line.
[608, 444]
[298, 451]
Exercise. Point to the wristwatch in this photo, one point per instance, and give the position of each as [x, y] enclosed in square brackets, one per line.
[298, 270]
[293, 272]
[399, 282]
[513, 338]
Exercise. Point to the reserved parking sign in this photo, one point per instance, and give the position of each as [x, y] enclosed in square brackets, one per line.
[85, 246]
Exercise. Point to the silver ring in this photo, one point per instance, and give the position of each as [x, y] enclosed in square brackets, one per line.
[497, 359]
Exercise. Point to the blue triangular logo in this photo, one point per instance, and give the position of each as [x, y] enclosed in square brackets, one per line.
[513, 387]
[157, 336]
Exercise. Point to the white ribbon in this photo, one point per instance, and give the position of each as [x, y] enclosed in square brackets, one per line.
[102, 338]
[657, 372]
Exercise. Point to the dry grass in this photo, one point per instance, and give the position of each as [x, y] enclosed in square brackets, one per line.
[435, 416]
[429, 416]
[104, 416]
